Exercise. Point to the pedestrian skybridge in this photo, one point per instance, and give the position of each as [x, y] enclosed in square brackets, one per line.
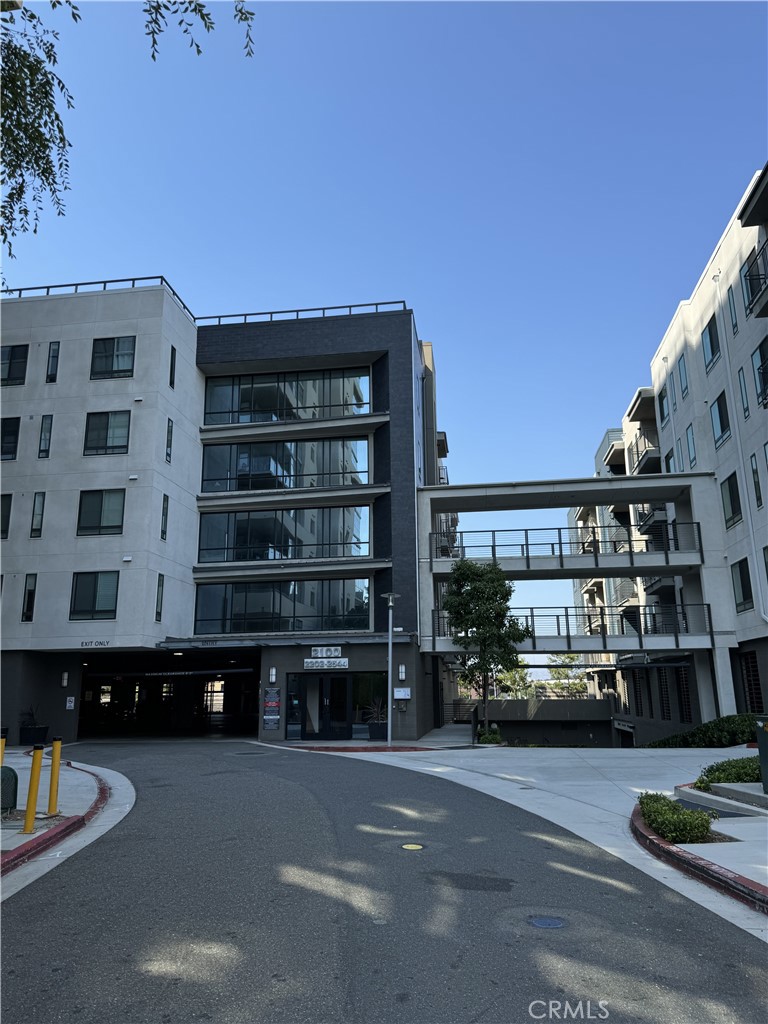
[573, 553]
[624, 629]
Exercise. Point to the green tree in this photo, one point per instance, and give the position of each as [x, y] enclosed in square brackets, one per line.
[481, 624]
[35, 158]
[516, 682]
[566, 674]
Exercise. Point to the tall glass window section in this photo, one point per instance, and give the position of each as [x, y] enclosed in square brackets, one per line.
[274, 465]
[284, 533]
[284, 606]
[276, 397]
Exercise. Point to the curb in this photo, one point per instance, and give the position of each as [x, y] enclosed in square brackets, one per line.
[753, 894]
[11, 859]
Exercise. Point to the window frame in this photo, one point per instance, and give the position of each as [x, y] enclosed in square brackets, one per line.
[7, 435]
[107, 449]
[664, 405]
[172, 368]
[6, 507]
[756, 480]
[723, 419]
[113, 356]
[682, 371]
[730, 498]
[95, 579]
[691, 442]
[109, 529]
[169, 441]
[38, 513]
[12, 356]
[743, 392]
[743, 596]
[710, 343]
[28, 600]
[164, 518]
[44, 438]
[52, 366]
[159, 597]
[732, 309]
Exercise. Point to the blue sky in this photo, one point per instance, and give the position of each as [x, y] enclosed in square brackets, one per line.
[542, 183]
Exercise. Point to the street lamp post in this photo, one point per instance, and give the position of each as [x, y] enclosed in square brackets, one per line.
[390, 696]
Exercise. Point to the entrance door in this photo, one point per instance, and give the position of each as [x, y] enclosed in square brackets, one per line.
[326, 712]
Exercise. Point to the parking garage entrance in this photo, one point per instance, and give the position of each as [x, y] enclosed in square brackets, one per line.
[168, 701]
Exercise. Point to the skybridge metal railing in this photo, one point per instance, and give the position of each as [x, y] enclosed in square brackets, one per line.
[636, 622]
[559, 542]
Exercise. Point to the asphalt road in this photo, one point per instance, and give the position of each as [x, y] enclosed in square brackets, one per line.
[252, 885]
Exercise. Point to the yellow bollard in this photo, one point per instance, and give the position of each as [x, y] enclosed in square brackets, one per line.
[34, 785]
[53, 793]
[2, 749]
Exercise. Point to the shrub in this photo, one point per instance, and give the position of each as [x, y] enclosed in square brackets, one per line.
[489, 737]
[729, 731]
[735, 769]
[674, 823]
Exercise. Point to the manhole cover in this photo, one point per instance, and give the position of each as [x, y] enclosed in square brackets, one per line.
[411, 846]
[543, 921]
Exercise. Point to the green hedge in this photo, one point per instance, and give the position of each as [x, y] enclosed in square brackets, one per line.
[729, 731]
[735, 769]
[674, 823]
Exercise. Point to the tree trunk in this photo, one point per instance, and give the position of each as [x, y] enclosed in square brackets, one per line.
[486, 727]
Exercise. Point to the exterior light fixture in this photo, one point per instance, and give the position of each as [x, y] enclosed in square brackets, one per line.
[273, 674]
[401, 673]
[65, 678]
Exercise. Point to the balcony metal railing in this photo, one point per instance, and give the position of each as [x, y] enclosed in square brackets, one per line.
[645, 444]
[559, 542]
[442, 475]
[95, 286]
[756, 276]
[635, 621]
[398, 306]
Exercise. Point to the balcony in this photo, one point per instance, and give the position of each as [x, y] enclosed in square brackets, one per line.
[756, 282]
[648, 516]
[643, 453]
[762, 381]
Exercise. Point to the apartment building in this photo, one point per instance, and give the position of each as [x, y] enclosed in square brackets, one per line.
[201, 516]
[706, 410]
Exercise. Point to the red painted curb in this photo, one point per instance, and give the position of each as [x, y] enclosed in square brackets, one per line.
[752, 893]
[11, 859]
[364, 750]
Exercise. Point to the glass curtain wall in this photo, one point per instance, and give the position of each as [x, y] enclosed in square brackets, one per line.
[284, 533]
[277, 465]
[282, 606]
[277, 397]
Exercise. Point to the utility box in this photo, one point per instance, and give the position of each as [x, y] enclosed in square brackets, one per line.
[10, 789]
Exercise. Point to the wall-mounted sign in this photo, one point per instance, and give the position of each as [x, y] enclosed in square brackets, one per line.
[326, 652]
[70, 703]
[402, 693]
[326, 663]
[624, 726]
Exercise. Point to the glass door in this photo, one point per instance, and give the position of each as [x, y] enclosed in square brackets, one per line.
[326, 708]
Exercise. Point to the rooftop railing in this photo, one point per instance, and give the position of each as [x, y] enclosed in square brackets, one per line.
[98, 286]
[75, 288]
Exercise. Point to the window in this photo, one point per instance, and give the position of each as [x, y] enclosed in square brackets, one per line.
[679, 456]
[100, 513]
[94, 595]
[742, 586]
[164, 519]
[743, 392]
[672, 389]
[112, 357]
[10, 437]
[721, 425]
[710, 344]
[159, 598]
[52, 371]
[106, 433]
[729, 491]
[169, 441]
[732, 308]
[28, 604]
[38, 507]
[278, 465]
[683, 372]
[172, 368]
[44, 443]
[663, 405]
[756, 481]
[276, 397]
[14, 362]
[691, 445]
[669, 461]
[5, 515]
[749, 287]
[760, 370]
[750, 678]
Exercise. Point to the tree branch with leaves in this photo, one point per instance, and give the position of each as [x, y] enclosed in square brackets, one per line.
[35, 147]
[480, 622]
